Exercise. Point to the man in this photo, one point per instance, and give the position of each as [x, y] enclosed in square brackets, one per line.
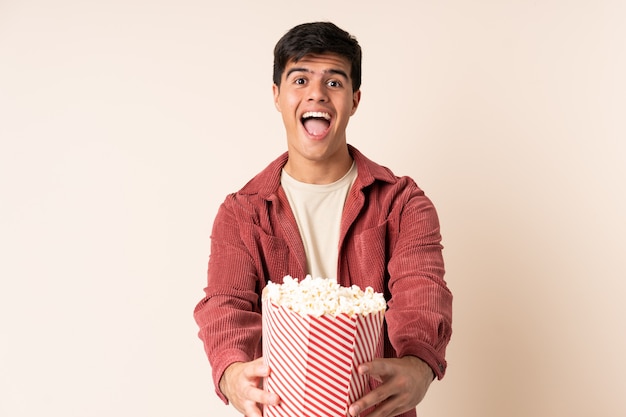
[324, 209]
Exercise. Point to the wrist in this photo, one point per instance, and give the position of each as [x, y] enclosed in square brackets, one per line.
[424, 367]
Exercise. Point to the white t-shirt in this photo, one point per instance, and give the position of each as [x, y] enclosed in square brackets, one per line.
[317, 209]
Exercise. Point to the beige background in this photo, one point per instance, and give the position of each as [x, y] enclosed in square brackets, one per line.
[123, 124]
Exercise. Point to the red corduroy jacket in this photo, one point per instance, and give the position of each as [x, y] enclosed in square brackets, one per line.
[389, 240]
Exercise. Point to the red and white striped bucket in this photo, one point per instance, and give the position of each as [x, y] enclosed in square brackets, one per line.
[313, 360]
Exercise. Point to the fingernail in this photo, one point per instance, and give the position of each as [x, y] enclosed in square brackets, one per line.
[273, 399]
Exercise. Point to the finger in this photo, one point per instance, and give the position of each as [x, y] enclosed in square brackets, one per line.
[260, 370]
[259, 396]
[392, 406]
[373, 370]
[256, 369]
[253, 391]
[247, 394]
[376, 368]
[370, 399]
[386, 409]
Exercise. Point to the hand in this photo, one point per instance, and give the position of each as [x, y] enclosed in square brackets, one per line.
[241, 384]
[404, 384]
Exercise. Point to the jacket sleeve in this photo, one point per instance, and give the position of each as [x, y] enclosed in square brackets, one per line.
[419, 317]
[229, 315]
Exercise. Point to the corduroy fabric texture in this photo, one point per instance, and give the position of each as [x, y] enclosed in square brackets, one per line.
[389, 240]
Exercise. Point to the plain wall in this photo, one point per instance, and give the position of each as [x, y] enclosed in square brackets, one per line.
[123, 124]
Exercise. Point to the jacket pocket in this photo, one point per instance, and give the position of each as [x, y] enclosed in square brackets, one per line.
[273, 256]
[371, 249]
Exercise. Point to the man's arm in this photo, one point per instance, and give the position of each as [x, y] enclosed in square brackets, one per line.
[229, 316]
[419, 316]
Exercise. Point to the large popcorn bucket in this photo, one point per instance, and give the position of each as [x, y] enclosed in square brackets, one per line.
[313, 360]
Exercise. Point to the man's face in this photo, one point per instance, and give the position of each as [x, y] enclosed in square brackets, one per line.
[316, 101]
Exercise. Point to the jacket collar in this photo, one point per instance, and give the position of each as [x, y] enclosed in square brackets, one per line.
[267, 182]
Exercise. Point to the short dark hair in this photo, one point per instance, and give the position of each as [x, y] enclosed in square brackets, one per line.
[317, 38]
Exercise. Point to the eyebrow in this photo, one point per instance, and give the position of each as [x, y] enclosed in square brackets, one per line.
[329, 71]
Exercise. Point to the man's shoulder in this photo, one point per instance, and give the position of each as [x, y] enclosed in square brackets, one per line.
[373, 173]
[382, 181]
[266, 182]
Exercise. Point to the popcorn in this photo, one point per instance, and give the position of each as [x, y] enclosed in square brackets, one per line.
[315, 335]
[319, 296]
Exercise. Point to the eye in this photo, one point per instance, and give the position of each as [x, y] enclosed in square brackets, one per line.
[299, 81]
[334, 83]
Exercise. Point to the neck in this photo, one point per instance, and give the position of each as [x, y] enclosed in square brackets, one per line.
[319, 172]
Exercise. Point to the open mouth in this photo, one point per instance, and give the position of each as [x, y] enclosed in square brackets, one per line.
[315, 123]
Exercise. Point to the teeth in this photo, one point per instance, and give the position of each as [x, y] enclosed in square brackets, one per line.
[316, 114]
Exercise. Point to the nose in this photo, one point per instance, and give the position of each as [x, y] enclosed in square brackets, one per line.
[317, 91]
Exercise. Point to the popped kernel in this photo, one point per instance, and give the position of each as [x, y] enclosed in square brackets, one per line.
[319, 296]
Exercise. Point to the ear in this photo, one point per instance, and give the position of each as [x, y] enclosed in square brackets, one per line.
[356, 99]
[276, 92]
